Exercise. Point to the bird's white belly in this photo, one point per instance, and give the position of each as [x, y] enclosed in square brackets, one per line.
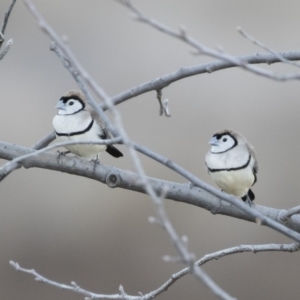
[234, 182]
[86, 151]
[73, 124]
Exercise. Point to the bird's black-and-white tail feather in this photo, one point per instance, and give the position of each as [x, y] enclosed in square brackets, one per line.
[113, 151]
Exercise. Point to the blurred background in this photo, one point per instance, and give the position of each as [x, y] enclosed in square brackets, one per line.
[69, 228]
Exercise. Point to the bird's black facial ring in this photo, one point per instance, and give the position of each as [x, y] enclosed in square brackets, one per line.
[65, 99]
[218, 136]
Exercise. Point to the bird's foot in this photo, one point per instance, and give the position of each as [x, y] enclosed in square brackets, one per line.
[96, 162]
[247, 200]
[189, 184]
[62, 153]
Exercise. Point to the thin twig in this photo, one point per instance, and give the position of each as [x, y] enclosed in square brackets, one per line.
[158, 96]
[164, 287]
[261, 45]
[6, 17]
[202, 49]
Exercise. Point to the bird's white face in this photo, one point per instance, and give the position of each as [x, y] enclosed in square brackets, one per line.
[221, 143]
[69, 106]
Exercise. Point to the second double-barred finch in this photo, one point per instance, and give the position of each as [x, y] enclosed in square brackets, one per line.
[232, 164]
[77, 121]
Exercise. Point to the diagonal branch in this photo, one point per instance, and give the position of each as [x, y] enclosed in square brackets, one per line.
[202, 49]
[207, 68]
[6, 17]
[77, 71]
[115, 177]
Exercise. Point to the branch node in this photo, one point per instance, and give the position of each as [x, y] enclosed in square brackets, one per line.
[166, 108]
[122, 292]
[258, 221]
[154, 220]
[209, 68]
[113, 179]
[185, 239]
[6, 49]
[158, 96]
[183, 30]
[173, 259]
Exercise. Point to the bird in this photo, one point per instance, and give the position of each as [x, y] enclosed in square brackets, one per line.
[232, 164]
[75, 121]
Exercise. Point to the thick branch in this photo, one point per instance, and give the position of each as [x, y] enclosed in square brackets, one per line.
[115, 177]
[39, 145]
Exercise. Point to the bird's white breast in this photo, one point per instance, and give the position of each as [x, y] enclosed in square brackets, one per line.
[68, 124]
[234, 158]
[236, 182]
[71, 123]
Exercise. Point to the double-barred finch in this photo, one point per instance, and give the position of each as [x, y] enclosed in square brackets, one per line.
[232, 164]
[77, 121]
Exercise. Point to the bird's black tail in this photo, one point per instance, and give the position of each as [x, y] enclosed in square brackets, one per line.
[249, 195]
[113, 151]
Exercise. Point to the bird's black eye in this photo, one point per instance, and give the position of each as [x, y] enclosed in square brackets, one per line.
[71, 103]
[224, 140]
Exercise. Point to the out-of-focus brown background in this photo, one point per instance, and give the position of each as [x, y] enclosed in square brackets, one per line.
[71, 228]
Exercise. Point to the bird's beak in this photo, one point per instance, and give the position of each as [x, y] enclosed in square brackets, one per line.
[60, 105]
[214, 141]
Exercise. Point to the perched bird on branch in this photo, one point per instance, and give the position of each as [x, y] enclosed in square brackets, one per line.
[232, 164]
[77, 121]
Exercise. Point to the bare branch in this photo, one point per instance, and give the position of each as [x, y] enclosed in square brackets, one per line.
[163, 105]
[202, 49]
[158, 96]
[127, 180]
[6, 49]
[261, 45]
[294, 247]
[153, 294]
[258, 217]
[16, 160]
[8, 167]
[73, 287]
[184, 72]
[6, 17]
[287, 214]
